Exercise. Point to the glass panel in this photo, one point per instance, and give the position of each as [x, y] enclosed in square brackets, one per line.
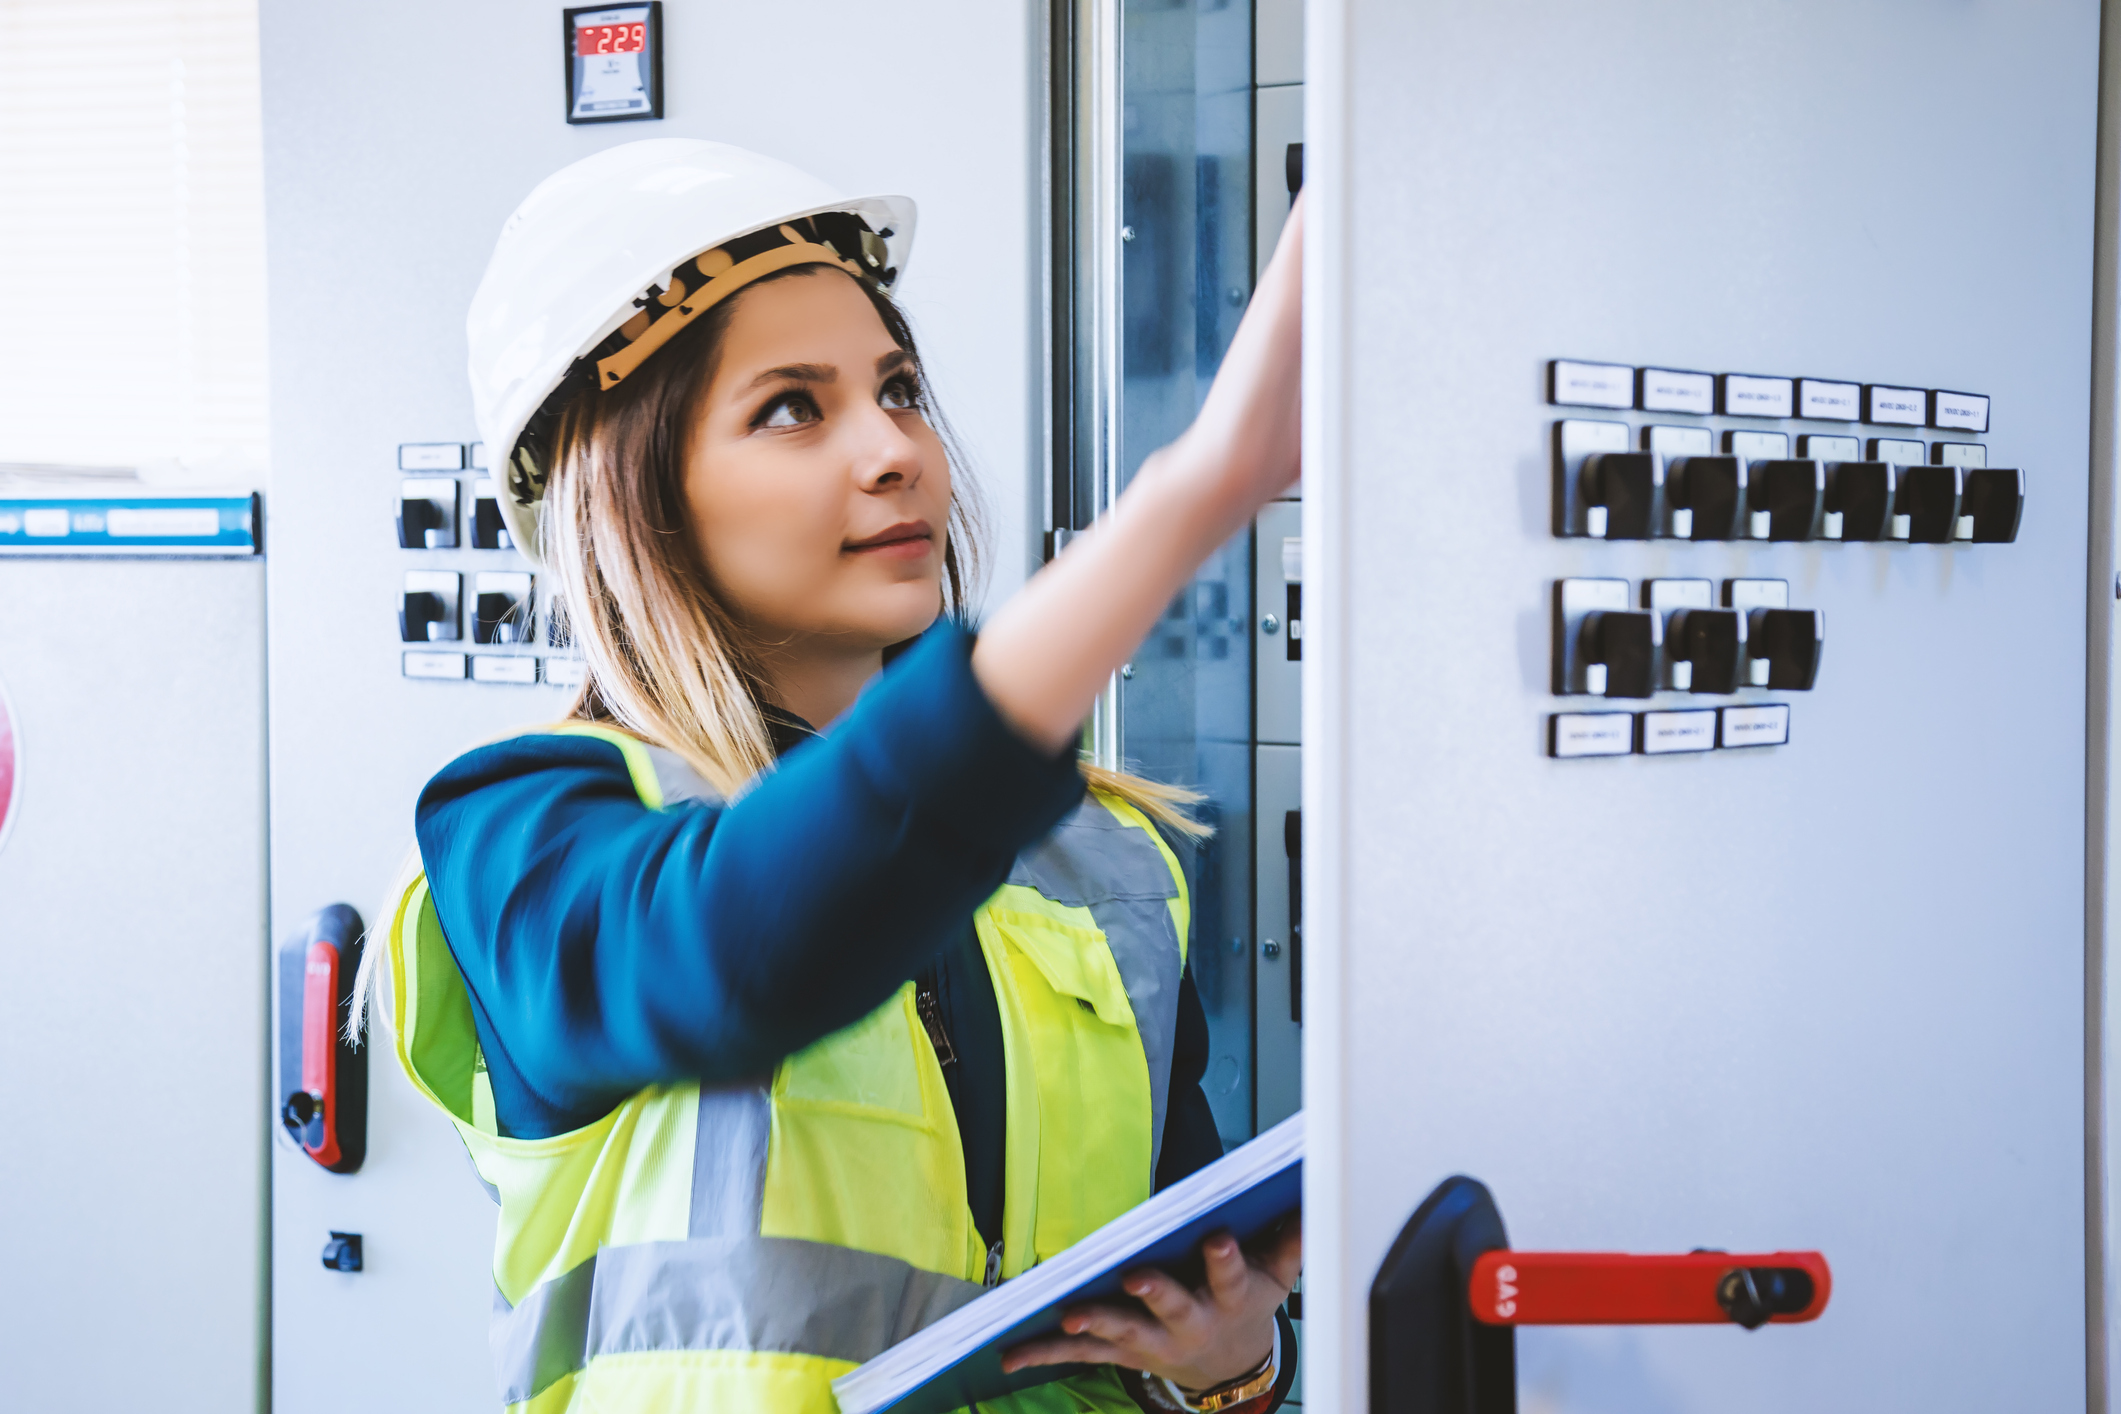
[1186, 273]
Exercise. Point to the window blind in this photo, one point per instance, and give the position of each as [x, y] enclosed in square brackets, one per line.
[132, 237]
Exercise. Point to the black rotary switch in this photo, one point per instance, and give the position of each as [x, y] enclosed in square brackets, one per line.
[422, 614]
[1790, 642]
[1628, 486]
[1620, 652]
[1861, 494]
[1711, 645]
[1993, 498]
[1707, 495]
[1792, 493]
[1929, 498]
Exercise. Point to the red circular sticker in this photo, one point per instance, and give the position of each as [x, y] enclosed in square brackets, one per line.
[10, 771]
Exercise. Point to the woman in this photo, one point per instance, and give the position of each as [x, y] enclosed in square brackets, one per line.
[785, 1000]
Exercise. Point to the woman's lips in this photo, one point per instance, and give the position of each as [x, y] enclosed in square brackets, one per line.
[906, 541]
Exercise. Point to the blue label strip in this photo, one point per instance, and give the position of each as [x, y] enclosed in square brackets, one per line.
[130, 525]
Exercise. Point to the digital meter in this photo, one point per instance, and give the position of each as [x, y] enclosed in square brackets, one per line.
[614, 62]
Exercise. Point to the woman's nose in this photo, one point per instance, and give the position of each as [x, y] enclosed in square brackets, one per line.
[886, 458]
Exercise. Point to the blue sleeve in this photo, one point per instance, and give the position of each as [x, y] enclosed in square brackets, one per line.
[608, 946]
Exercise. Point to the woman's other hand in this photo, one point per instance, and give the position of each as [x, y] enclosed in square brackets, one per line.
[1195, 1339]
[1044, 658]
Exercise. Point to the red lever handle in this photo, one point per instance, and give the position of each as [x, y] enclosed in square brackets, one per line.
[320, 1051]
[1618, 1289]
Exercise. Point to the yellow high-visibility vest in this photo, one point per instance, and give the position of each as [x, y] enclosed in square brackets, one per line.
[737, 1248]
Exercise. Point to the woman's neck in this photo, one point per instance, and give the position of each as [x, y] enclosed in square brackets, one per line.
[818, 684]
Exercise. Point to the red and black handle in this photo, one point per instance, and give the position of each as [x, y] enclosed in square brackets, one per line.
[323, 1082]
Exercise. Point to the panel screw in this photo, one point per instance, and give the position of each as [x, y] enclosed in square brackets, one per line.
[1270, 948]
[1126, 233]
[1270, 624]
[1126, 671]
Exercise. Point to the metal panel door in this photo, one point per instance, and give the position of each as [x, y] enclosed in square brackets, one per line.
[1828, 994]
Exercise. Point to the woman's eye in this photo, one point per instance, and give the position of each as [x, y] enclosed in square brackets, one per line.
[899, 395]
[789, 410]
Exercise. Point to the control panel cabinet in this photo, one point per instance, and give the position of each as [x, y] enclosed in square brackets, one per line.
[1693, 571]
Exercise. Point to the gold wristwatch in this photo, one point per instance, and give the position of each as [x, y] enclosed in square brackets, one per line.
[1231, 1393]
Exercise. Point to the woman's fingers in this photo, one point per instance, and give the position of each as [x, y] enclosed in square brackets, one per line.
[1167, 1300]
[1063, 1350]
[1228, 1271]
[1284, 1261]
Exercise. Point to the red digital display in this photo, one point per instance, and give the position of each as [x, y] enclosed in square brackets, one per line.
[610, 39]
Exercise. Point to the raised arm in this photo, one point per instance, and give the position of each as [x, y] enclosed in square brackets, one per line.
[1045, 656]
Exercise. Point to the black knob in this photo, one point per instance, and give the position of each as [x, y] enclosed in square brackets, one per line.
[1711, 642]
[423, 612]
[1712, 490]
[496, 619]
[1792, 493]
[1624, 643]
[487, 527]
[1790, 642]
[1752, 1295]
[1861, 493]
[1929, 498]
[1628, 485]
[1994, 497]
[300, 1109]
[343, 1252]
[415, 519]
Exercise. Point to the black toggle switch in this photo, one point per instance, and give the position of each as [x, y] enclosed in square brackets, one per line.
[501, 608]
[488, 530]
[343, 1252]
[421, 616]
[1993, 498]
[1707, 496]
[1789, 641]
[1861, 495]
[427, 513]
[1711, 642]
[1929, 498]
[1792, 493]
[1620, 649]
[1627, 486]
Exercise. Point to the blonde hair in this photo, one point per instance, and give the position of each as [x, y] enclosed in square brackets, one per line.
[665, 659]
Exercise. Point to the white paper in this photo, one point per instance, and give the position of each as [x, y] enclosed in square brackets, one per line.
[174, 522]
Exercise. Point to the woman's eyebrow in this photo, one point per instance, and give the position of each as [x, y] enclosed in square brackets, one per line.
[796, 373]
[893, 361]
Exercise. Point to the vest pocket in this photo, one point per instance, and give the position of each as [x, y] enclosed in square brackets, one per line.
[869, 1067]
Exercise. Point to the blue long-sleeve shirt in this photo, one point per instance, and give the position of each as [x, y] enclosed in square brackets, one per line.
[607, 946]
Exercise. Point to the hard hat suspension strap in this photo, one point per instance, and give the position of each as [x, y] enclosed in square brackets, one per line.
[725, 280]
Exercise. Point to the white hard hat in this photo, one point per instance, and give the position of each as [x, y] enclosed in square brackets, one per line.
[612, 255]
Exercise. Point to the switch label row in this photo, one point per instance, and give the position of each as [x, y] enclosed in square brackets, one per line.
[1576, 383]
[1572, 735]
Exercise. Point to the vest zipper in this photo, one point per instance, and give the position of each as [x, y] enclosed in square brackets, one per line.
[994, 1264]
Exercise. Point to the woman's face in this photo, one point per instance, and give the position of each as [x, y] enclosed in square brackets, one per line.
[818, 493]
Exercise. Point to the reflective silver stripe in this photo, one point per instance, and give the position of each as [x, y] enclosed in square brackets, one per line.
[736, 1293]
[729, 1161]
[539, 1341]
[678, 780]
[1095, 860]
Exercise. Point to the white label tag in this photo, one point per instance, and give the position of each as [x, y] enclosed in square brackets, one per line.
[1758, 446]
[1672, 442]
[1908, 407]
[1593, 385]
[1829, 402]
[1962, 454]
[1292, 559]
[1755, 726]
[493, 668]
[1898, 451]
[1666, 390]
[1748, 594]
[564, 672]
[1664, 732]
[434, 665]
[135, 522]
[1830, 449]
[1591, 734]
[1965, 412]
[430, 456]
[1747, 396]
